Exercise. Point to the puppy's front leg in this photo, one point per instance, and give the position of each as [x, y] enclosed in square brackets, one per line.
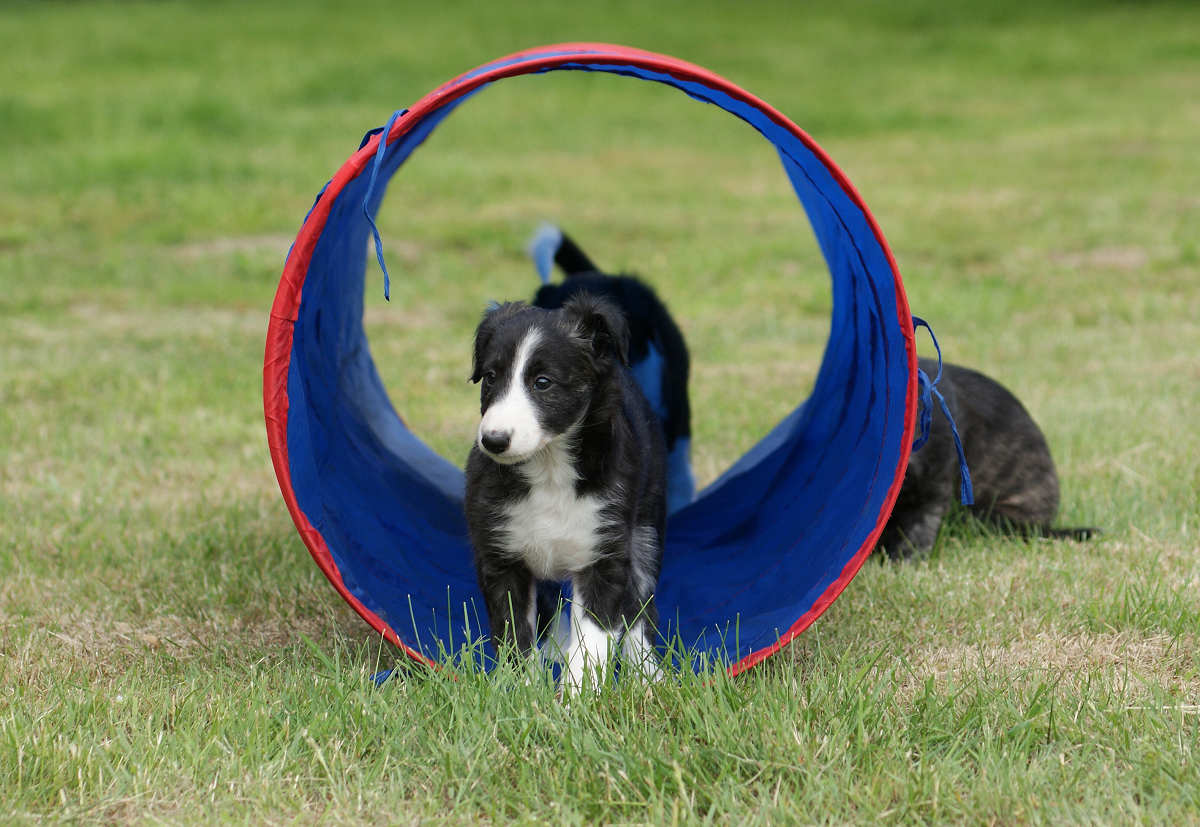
[597, 594]
[589, 650]
[508, 591]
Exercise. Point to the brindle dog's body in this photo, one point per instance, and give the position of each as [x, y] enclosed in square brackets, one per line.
[1013, 476]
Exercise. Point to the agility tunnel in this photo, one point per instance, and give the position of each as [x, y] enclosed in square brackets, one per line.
[750, 563]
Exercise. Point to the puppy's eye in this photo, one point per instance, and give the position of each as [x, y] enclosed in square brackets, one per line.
[489, 378]
[542, 382]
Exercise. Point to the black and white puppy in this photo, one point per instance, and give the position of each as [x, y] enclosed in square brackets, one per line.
[566, 482]
[658, 354]
[1012, 473]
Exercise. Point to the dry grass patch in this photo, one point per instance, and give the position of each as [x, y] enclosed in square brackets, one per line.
[1129, 663]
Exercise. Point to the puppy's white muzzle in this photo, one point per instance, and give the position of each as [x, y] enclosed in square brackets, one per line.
[510, 431]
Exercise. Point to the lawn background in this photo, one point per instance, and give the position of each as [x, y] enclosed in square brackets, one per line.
[168, 651]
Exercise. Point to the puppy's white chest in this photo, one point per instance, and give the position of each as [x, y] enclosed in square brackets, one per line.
[553, 529]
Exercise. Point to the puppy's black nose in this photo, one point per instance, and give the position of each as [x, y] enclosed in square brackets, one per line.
[496, 441]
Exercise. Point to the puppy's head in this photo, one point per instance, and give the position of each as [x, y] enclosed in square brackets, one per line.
[539, 371]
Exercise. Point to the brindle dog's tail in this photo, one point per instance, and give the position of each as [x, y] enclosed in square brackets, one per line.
[1083, 533]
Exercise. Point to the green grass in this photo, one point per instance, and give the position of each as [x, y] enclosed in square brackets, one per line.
[170, 654]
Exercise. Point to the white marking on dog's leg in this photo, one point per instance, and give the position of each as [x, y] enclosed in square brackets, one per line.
[533, 661]
[513, 413]
[558, 642]
[639, 657]
[589, 655]
[531, 614]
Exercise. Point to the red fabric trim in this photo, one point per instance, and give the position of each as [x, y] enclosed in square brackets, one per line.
[285, 309]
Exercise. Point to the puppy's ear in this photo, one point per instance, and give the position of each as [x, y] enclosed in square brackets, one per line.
[493, 319]
[603, 323]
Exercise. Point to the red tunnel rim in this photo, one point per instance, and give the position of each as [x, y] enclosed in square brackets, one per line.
[285, 307]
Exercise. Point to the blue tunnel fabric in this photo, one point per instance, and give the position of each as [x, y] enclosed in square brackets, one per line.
[752, 557]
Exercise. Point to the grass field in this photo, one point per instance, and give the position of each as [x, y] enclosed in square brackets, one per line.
[170, 654]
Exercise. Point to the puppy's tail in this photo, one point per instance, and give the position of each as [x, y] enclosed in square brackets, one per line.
[550, 246]
[1082, 533]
